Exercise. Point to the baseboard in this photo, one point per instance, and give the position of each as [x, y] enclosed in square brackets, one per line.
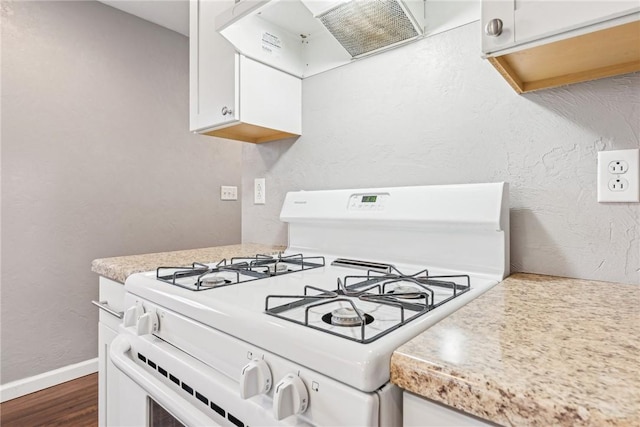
[39, 382]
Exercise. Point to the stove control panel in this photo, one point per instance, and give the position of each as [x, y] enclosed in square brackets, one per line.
[367, 202]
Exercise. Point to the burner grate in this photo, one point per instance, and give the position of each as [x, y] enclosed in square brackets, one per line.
[376, 291]
[200, 277]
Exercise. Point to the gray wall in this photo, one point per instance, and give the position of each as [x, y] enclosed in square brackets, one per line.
[97, 161]
[434, 112]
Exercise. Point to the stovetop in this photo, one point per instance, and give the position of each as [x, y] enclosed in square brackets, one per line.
[270, 312]
[363, 307]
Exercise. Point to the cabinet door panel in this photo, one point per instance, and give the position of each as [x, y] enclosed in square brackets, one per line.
[269, 97]
[502, 10]
[535, 19]
[419, 412]
[213, 68]
[112, 293]
[107, 377]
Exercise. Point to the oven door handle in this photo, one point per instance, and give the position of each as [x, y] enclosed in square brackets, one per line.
[169, 399]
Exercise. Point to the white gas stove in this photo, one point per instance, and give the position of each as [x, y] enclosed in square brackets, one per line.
[305, 337]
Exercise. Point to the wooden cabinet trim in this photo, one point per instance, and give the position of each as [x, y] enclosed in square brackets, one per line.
[605, 53]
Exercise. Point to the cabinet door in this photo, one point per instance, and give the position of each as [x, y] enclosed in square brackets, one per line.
[212, 70]
[107, 377]
[501, 10]
[268, 97]
[419, 412]
[535, 19]
[112, 294]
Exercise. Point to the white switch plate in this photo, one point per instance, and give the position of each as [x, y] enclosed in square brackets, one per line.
[618, 176]
[259, 191]
[228, 192]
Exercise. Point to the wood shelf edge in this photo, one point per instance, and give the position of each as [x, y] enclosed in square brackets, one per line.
[507, 73]
[584, 76]
[246, 132]
[604, 53]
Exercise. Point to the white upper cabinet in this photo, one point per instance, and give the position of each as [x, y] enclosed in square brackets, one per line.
[537, 44]
[232, 96]
[530, 20]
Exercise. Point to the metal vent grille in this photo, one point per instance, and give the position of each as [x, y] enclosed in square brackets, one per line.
[362, 26]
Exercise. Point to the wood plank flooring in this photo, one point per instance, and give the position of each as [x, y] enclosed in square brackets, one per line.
[74, 403]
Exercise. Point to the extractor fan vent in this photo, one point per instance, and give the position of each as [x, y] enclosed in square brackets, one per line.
[363, 26]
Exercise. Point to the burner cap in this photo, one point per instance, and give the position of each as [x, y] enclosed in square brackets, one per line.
[404, 289]
[406, 292]
[212, 281]
[346, 316]
[277, 267]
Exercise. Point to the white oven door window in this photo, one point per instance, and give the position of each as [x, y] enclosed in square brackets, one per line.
[160, 417]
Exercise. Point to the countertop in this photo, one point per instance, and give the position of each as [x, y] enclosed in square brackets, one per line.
[119, 268]
[534, 351]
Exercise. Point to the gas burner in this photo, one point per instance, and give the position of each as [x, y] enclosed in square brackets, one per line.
[347, 316]
[282, 264]
[200, 277]
[213, 281]
[277, 268]
[412, 286]
[406, 292]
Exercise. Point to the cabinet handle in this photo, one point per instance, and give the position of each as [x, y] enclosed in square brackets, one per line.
[226, 111]
[104, 305]
[493, 28]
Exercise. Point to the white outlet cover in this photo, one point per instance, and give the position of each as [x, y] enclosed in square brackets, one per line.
[228, 192]
[259, 191]
[631, 177]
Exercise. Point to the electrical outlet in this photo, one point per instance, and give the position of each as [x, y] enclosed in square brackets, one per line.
[228, 192]
[618, 184]
[619, 176]
[259, 191]
[618, 167]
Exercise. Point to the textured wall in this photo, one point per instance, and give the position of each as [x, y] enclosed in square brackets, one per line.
[434, 112]
[97, 161]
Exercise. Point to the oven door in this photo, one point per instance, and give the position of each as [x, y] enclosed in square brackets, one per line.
[143, 399]
[159, 385]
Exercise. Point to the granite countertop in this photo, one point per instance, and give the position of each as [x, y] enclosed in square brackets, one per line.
[119, 268]
[534, 351]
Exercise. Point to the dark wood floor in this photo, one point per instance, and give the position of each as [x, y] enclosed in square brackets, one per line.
[74, 403]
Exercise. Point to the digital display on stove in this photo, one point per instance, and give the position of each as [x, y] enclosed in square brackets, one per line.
[369, 199]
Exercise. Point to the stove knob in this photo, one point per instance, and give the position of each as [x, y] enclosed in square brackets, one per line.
[255, 379]
[132, 315]
[148, 323]
[290, 397]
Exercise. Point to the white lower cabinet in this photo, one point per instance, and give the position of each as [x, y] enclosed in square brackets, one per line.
[112, 299]
[106, 376]
[421, 412]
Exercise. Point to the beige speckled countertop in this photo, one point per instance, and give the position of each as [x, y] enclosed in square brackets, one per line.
[119, 268]
[534, 351]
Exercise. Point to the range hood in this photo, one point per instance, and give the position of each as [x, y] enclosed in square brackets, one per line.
[307, 37]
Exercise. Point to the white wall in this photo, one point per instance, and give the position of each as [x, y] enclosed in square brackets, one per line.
[434, 112]
[97, 161]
